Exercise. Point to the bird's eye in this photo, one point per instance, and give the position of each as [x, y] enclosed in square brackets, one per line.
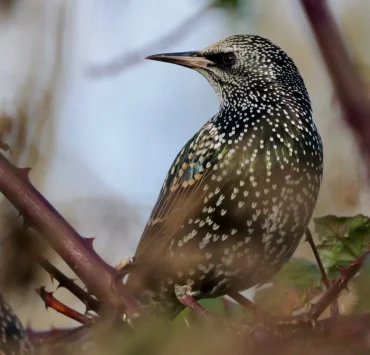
[228, 59]
[224, 59]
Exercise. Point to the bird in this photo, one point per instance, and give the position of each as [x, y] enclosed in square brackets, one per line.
[241, 192]
[13, 336]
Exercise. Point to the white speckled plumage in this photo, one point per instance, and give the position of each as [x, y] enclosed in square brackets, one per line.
[13, 337]
[241, 192]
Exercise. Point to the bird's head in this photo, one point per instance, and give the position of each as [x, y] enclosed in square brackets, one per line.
[240, 65]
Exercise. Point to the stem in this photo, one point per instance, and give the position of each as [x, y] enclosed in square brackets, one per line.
[64, 281]
[97, 275]
[52, 302]
[334, 308]
[340, 284]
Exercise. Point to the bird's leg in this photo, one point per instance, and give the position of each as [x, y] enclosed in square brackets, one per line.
[334, 309]
[185, 295]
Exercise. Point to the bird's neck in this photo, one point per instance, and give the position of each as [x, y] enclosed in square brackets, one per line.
[273, 100]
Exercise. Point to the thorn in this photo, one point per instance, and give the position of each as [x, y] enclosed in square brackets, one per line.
[24, 172]
[187, 322]
[89, 242]
[52, 278]
[62, 284]
[40, 291]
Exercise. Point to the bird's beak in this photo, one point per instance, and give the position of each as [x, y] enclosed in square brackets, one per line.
[187, 59]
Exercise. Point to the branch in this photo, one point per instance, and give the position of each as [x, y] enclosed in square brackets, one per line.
[349, 87]
[51, 302]
[126, 60]
[340, 284]
[98, 276]
[64, 281]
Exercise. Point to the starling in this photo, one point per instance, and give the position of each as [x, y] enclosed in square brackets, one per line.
[241, 192]
[13, 337]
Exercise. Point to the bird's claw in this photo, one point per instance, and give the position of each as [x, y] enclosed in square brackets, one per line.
[124, 266]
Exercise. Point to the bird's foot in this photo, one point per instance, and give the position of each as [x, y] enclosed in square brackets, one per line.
[185, 295]
[124, 266]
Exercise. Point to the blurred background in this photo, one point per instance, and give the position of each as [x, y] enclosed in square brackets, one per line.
[100, 126]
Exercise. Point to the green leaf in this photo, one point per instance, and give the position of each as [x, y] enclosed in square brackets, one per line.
[341, 240]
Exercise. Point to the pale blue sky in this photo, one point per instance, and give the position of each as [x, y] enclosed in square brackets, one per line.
[128, 128]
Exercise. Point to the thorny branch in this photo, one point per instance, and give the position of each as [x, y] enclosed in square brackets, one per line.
[339, 285]
[64, 281]
[98, 276]
[51, 302]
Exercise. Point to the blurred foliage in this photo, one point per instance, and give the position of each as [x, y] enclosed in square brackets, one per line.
[297, 283]
[231, 5]
[362, 289]
[228, 4]
[341, 240]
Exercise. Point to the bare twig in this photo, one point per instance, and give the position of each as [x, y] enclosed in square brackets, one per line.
[97, 275]
[52, 302]
[310, 241]
[127, 60]
[349, 87]
[64, 281]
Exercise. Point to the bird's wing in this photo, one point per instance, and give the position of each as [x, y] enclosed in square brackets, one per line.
[182, 189]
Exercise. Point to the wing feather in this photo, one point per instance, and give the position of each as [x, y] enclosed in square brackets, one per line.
[182, 189]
